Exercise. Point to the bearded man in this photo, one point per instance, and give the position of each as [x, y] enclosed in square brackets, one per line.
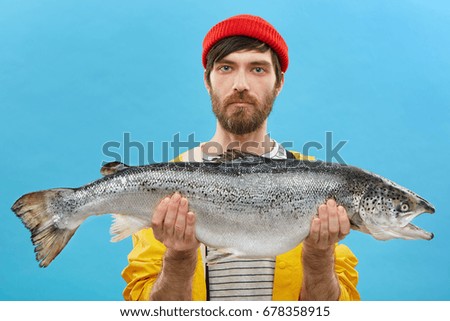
[245, 59]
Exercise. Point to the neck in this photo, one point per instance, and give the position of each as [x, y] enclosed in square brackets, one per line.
[257, 142]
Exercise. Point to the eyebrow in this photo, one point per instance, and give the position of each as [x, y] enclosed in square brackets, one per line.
[253, 63]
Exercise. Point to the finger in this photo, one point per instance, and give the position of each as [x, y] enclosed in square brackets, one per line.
[331, 206]
[180, 223]
[344, 223]
[314, 233]
[172, 211]
[158, 218]
[333, 222]
[189, 233]
[323, 234]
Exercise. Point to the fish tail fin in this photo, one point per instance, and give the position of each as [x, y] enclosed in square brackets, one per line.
[35, 211]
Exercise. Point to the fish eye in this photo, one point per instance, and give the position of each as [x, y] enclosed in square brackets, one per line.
[404, 207]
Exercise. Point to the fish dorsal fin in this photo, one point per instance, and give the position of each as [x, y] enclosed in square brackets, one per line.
[112, 168]
[237, 155]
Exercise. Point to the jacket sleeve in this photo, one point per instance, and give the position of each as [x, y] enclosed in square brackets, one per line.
[288, 277]
[144, 266]
[345, 267]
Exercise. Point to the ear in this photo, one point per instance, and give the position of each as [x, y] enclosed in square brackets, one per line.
[280, 87]
[207, 84]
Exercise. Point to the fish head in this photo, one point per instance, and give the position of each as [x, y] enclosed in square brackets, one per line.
[387, 209]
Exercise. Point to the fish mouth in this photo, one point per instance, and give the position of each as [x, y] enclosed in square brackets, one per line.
[409, 231]
[413, 232]
[426, 208]
[407, 218]
[422, 207]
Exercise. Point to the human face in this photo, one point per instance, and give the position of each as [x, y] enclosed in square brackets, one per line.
[242, 89]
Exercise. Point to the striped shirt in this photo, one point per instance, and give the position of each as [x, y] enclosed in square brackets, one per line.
[232, 279]
[242, 279]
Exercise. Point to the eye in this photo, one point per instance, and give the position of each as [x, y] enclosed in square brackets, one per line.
[404, 207]
[259, 70]
[225, 68]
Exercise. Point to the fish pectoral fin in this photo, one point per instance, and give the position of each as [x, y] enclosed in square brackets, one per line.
[125, 225]
[112, 168]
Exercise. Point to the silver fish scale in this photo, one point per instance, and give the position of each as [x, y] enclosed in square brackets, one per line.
[237, 203]
[250, 206]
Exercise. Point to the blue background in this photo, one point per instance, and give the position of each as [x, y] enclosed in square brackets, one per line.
[75, 75]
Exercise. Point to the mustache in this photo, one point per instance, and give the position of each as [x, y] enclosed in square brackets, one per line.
[240, 97]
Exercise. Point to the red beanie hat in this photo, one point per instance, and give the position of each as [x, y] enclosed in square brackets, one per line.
[250, 26]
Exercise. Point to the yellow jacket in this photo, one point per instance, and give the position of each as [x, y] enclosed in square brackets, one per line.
[145, 261]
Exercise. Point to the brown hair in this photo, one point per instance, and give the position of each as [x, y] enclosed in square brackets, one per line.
[232, 44]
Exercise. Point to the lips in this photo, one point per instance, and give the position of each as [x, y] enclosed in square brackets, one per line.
[240, 98]
[242, 103]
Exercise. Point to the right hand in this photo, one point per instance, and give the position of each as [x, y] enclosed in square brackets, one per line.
[331, 225]
[174, 225]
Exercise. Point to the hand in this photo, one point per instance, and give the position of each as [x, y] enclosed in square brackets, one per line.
[331, 226]
[174, 226]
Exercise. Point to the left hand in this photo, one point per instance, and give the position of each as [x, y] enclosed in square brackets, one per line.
[331, 226]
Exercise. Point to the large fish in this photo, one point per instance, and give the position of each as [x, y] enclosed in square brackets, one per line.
[248, 205]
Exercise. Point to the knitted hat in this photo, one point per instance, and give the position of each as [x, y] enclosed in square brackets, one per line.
[250, 26]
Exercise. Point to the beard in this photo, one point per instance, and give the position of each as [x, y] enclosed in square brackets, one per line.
[242, 119]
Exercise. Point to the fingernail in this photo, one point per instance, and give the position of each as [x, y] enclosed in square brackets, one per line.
[190, 216]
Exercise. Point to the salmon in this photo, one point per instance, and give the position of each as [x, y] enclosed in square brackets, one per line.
[246, 205]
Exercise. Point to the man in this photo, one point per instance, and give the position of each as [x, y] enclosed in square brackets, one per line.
[245, 59]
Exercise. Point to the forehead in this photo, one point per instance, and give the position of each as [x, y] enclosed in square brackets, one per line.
[248, 56]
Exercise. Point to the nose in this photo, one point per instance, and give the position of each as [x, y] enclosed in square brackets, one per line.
[241, 82]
